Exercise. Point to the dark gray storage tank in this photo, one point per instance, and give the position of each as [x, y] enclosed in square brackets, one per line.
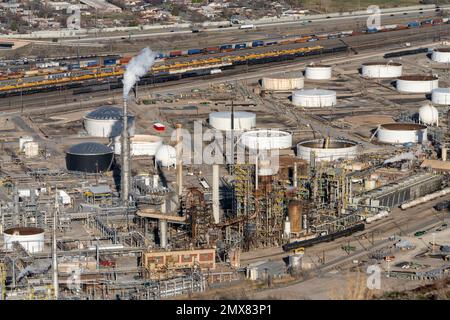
[89, 157]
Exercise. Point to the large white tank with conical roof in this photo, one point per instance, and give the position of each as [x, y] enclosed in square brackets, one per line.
[106, 122]
[441, 96]
[428, 115]
[166, 156]
[318, 72]
[441, 55]
[243, 120]
[314, 98]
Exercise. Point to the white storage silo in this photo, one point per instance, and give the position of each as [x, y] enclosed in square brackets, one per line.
[318, 72]
[381, 69]
[166, 156]
[106, 122]
[140, 145]
[401, 133]
[32, 239]
[283, 82]
[266, 139]
[327, 150]
[417, 83]
[441, 96]
[428, 115]
[242, 120]
[441, 55]
[314, 98]
[31, 149]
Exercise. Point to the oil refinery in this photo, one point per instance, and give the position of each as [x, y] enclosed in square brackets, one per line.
[241, 164]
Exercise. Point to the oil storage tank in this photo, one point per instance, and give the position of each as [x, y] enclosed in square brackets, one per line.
[441, 55]
[89, 157]
[327, 149]
[283, 82]
[417, 83]
[266, 139]
[314, 98]
[30, 238]
[106, 121]
[381, 69]
[401, 133]
[166, 156]
[441, 96]
[140, 145]
[318, 72]
[428, 115]
[243, 120]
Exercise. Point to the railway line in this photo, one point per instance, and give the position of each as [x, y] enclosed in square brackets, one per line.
[27, 103]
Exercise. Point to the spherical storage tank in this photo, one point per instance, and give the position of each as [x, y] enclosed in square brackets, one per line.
[400, 133]
[166, 156]
[89, 157]
[314, 98]
[106, 121]
[428, 115]
[266, 139]
[318, 72]
[417, 83]
[283, 82]
[381, 69]
[140, 145]
[242, 120]
[32, 239]
[327, 150]
[441, 55]
[441, 96]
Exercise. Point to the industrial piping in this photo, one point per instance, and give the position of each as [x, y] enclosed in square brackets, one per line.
[426, 198]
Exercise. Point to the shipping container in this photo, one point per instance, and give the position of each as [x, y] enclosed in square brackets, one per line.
[437, 21]
[125, 60]
[109, 62]
[240, 46]
[212, 49]
[271, 43]
[413, 24]
[226, 47]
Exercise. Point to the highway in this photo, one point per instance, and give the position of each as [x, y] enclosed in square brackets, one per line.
[301, 22]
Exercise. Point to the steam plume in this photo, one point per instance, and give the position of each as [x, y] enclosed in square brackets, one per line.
[136, 68]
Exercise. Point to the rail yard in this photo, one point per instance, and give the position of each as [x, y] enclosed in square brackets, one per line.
[286, 164]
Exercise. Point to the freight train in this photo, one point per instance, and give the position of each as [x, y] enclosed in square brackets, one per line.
[329, 237]
[159, 73]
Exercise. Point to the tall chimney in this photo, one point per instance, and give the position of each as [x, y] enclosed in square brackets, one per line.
[215, 193]
[179, 160]
[125, 172]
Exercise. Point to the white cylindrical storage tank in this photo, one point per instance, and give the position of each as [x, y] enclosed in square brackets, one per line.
[441, 55]
[441, 96]
[381, 69]
[318, 72]
[242, 120]
[428, 115]
[417, 83]
[266, 139]
[166, 156]
[32, 239]
[314, 98]
[327, 151]
[140, 145]
[283, 82]
[106, 122]
[400, 133]
[267, 168]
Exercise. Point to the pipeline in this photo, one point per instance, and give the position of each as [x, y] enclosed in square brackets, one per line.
[426, 198]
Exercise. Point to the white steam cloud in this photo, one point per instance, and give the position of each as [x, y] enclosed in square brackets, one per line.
[136, 68]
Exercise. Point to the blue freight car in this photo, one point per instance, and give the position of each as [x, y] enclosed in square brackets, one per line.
[240, 46]
[194, 51]
[413, 24]
[257, 43]
[226, 47]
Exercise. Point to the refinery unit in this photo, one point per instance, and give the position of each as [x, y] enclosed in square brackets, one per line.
[152, 196]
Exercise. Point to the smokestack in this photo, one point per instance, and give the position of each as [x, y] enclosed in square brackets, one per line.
[125, 172]
[215, 193]
[179, 161]
[444, 153]
[163, 227]
[295, 174]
